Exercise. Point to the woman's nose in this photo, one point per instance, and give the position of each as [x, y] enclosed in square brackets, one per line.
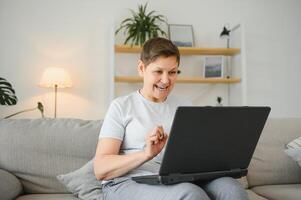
[165, 78]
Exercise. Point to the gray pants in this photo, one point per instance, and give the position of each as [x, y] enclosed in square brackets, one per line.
[219, 189]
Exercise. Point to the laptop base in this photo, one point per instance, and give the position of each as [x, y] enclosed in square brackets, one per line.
[195, 177]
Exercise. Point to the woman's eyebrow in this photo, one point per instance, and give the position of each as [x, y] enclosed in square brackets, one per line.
[159, 68]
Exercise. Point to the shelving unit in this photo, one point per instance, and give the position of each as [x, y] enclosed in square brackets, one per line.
[137, 79]
[183, 51]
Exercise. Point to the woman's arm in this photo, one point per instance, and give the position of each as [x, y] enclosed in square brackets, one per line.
[108, 164]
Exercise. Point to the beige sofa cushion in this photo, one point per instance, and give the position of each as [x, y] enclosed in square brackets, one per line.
[48, 197]
[253, 196]
[38, 150]
[270, 164]
[280, 192]
[10, 186]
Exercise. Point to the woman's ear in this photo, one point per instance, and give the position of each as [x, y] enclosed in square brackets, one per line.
[141, 68]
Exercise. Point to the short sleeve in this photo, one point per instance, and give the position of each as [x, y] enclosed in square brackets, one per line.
[113, 126]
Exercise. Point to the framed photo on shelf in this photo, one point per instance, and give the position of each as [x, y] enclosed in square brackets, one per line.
[181, 35]
[213, 66]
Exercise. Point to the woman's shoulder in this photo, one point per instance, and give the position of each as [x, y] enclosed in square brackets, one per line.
[125, 99]
[179, 100]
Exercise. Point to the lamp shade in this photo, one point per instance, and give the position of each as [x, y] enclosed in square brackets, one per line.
[225, 33]
[55, 76]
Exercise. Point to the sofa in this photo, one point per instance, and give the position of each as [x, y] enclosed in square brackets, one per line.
[35, 151]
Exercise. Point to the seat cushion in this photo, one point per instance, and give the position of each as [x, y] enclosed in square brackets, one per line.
[37, 150]
[253, 196]
[279, 192]
[10, 186]
[270, 164]
[48, 197]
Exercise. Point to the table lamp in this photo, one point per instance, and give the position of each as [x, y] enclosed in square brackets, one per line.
[225, 34]
[55, 77]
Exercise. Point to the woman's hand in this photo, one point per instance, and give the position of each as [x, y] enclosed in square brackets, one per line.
[155, 141]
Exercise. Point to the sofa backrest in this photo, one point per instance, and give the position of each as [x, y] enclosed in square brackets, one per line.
[37, 150]
[270, 164]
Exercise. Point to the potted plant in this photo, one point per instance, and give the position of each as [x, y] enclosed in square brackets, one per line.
[7, 93]
[142, 26]
[8, 97]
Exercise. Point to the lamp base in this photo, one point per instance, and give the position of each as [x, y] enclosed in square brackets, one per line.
[55, 100]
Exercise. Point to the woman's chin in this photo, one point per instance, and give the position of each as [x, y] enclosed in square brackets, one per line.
[161, 97]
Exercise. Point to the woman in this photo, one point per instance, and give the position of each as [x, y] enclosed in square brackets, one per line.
[136, 129]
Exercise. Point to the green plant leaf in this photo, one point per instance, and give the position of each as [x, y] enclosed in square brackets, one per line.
[150, 13]
[7, 93]
[141, 26]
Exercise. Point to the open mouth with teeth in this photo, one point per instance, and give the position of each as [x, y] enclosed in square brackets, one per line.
[161, 88]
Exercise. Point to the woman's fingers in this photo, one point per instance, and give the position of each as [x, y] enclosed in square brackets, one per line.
[157, 135]
[160, 132]
[165, 136]
[154, 138]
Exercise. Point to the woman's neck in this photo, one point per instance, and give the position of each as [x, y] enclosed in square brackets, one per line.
[150, 98]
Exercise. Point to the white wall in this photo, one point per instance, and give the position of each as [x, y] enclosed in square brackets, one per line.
[77, 35]
[273, 55]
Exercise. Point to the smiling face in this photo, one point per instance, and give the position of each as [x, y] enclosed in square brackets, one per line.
[159, 78]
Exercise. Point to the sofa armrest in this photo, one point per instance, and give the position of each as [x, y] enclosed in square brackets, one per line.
[10, 186]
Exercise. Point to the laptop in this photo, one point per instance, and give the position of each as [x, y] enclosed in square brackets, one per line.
[206, 143]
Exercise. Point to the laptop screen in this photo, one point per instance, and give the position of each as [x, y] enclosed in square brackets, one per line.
[205, 139]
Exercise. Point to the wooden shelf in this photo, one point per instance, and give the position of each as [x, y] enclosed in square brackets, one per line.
[137, 79]
[184, 50]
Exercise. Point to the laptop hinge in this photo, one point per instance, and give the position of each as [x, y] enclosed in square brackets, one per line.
[172, 174]
[239, 172]
[236, 170]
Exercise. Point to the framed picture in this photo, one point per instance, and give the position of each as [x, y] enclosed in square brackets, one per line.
[213, 66]
[181, 35]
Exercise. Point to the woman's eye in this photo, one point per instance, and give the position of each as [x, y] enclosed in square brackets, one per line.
[172, 72]
[158, 72]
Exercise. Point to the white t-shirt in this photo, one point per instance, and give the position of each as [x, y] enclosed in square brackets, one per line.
[130, 118]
